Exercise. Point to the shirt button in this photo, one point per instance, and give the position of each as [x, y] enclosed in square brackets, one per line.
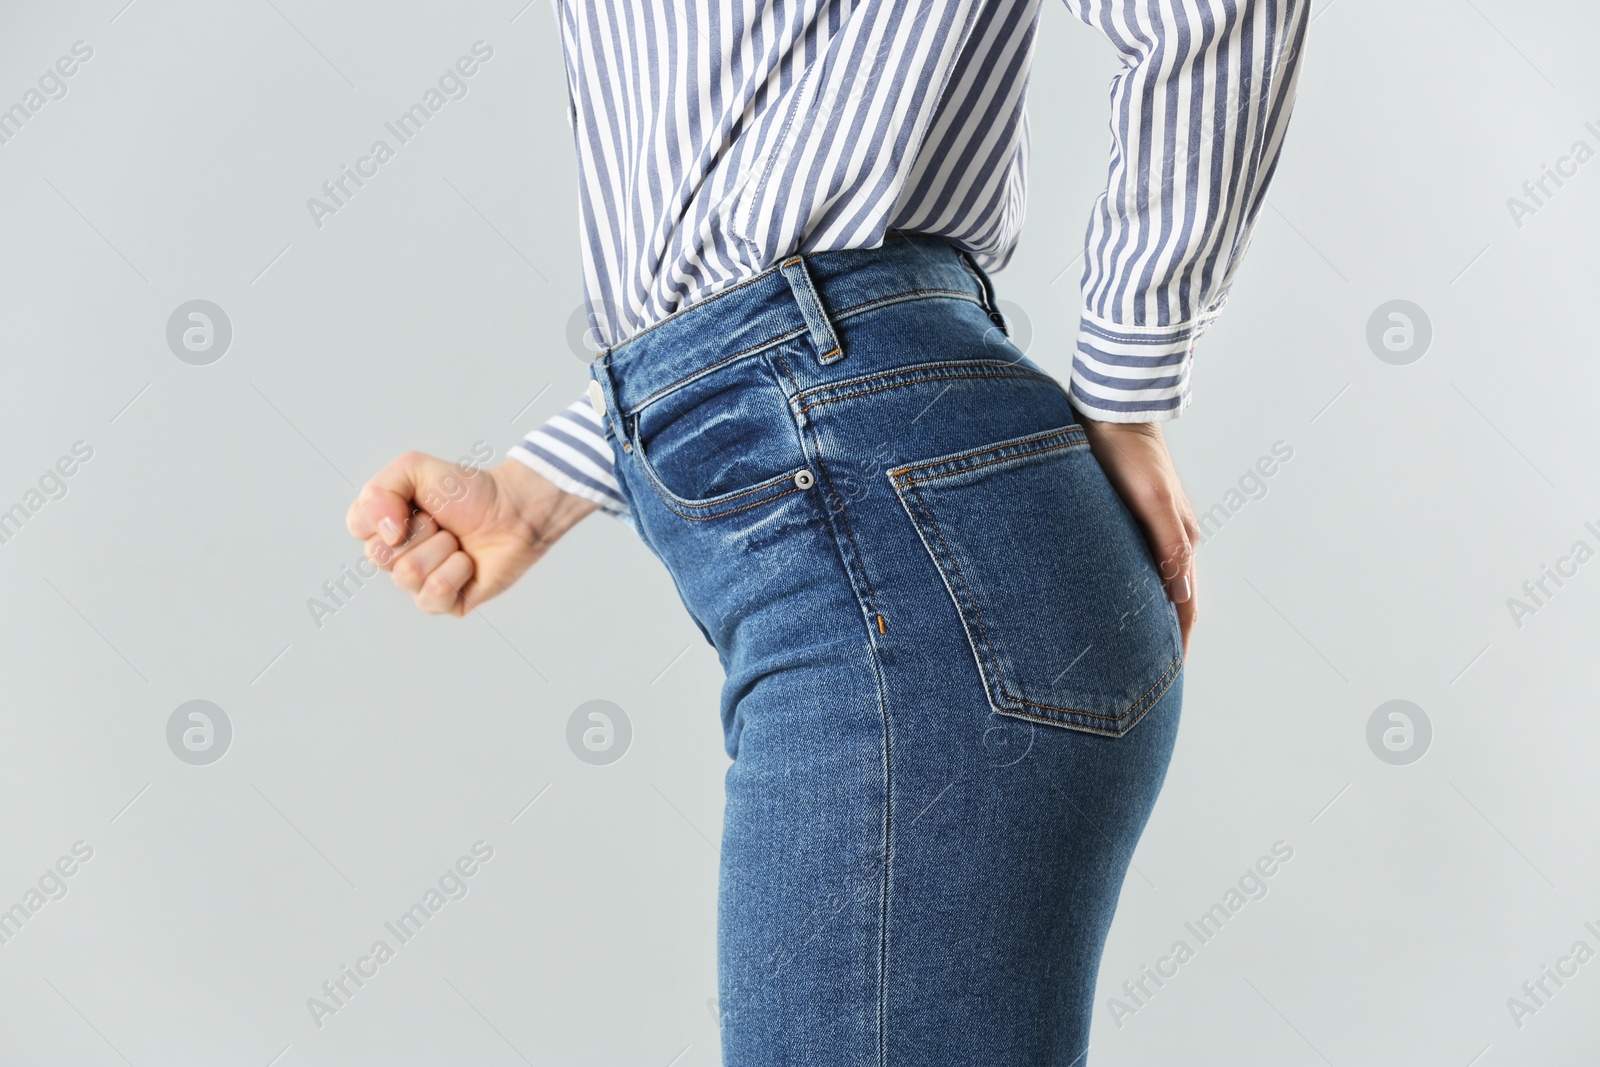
[597, 398]
[804, 479]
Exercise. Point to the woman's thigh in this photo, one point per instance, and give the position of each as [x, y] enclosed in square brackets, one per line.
[920, 880]
[953, 690]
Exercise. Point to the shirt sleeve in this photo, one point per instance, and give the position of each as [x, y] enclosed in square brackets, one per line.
[571, 449]
[1198, 116]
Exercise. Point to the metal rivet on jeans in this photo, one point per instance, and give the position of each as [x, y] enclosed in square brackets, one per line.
[804, 479]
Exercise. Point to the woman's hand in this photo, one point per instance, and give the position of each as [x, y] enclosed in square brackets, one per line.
[1135, 459]
[453, 536]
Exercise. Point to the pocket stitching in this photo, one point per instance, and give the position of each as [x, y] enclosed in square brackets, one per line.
[713, 506]
[674, 502]
[1075, 433]
[1150, 696]
[988, 645]
[997, 372]
[1137, 708]
[988, 642]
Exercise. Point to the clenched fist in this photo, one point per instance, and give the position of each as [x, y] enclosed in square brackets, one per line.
[452, 535]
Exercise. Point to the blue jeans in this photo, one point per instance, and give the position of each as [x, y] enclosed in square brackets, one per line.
[953, 675]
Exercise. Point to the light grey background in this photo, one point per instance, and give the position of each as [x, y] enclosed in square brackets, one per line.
[431, 312]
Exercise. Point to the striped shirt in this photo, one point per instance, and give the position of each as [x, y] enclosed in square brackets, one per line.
[715, 137]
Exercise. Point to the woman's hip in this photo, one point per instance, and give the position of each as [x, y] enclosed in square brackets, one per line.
[897, 475]
[953, 676]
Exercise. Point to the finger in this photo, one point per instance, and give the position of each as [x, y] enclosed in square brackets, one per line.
[443, 587]
[420, 527]
[357, 521]
[1187, 613]
[411, 570]
[1174, 555]
[385, 501]
[473, 593]
[1175, 564]
[1189, 610]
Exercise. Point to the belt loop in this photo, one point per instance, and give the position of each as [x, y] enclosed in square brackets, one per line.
[805, 291]
[990, 304]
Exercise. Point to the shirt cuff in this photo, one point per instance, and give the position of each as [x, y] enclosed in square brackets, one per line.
[571, 450]
[1134, 373]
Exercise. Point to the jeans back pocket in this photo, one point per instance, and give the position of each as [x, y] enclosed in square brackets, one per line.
[1067, 616]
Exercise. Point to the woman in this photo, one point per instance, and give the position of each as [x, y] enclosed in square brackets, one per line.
[951, 597]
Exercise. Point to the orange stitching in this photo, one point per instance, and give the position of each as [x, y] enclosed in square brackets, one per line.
[708, 368]
[939, 532]
[667, 494]
[1168, 673]
[925, 372]
[913, 381]
[849, 532]
[782, 369]
[910, 294]
[673, 506]
[1075, 432]
[899, 298]
[1050, 720]
[681, 502]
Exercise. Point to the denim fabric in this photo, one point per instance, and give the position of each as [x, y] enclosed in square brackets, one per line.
[953, 677]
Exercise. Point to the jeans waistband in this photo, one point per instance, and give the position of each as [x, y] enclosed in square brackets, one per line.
[801, 295]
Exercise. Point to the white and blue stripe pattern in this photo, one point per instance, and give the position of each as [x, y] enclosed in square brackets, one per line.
[715, 137]
[571, 450]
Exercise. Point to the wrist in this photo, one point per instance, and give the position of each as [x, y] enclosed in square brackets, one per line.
[1120, 428]
[542, 508]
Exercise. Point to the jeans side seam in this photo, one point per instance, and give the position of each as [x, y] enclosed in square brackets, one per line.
[886, 883]
[866, 594]
[867, 601]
